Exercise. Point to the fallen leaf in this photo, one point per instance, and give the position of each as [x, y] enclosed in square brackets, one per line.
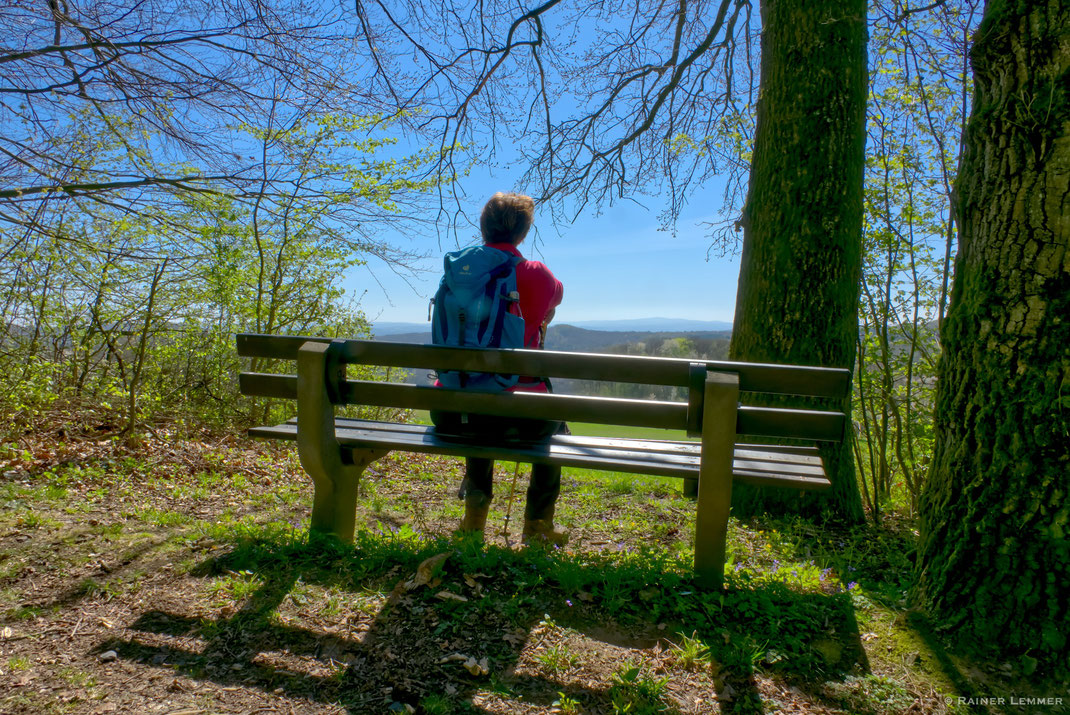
[477, 668]
[427, 570]
[450, 596]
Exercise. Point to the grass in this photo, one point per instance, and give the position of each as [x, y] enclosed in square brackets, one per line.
[18, 664]
[557, 659]
[691, 653]
[212, 577]
[637, 691]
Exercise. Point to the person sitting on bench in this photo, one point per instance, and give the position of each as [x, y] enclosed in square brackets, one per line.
[504, 224]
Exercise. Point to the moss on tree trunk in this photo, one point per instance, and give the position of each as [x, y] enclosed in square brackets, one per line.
[994, 555]
[802, 242]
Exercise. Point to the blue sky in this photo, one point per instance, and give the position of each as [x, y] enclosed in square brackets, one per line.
[617, 265]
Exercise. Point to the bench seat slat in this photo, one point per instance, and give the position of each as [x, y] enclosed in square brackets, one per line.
[752, 463]
[801, 454]
[640, 445]
[756, 458]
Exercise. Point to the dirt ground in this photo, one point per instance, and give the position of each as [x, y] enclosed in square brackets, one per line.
[175, 576]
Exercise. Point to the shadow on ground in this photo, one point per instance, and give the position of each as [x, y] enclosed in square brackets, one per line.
[484, 603]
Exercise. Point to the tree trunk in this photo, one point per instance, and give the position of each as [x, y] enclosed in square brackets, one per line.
[993, 553]
[802, 224]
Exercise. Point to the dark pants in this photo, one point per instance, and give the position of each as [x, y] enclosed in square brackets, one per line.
[545, 484]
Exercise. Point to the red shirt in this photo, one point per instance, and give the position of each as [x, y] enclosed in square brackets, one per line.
[540, 292]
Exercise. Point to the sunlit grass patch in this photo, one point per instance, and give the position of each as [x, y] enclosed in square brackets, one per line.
[31, 519]
[54, 493]
[872, 695]
[161, 518]
[25, 613]
[104, 589]
[18, 663]
[557, 659]
[636, 690]
[691, 652]
[232, 588]
[74, 676]
[108, 530]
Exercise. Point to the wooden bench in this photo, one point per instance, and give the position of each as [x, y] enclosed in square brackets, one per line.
[335, 451]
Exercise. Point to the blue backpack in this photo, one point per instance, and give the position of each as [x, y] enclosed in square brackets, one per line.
[472, 309]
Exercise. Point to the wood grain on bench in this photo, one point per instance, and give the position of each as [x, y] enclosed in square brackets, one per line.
[797, 468]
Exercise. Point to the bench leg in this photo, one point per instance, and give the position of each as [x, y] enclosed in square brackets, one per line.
[334, 505]
[691, 488]
[335, 477]
[715, 477]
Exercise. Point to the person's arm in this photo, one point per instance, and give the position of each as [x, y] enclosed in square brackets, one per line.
[544, 326]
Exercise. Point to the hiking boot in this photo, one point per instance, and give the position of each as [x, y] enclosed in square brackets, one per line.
[476, 508]
[543, 531]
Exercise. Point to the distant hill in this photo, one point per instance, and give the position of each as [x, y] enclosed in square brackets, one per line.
[654, 325]
[384, 329]
[421, 338]
[569, 338]
[573, 339]
[642, 325]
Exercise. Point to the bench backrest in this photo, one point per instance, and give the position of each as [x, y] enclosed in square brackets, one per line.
[775, 422]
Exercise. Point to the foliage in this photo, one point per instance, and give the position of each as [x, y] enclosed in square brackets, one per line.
[159, 78]
[636, 692]
[919, 98]
[137, 312]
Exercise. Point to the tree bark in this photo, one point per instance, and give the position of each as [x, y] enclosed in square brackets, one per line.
[993, 554]
[802, 225]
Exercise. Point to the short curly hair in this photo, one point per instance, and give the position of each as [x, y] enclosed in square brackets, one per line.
[507, 218]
